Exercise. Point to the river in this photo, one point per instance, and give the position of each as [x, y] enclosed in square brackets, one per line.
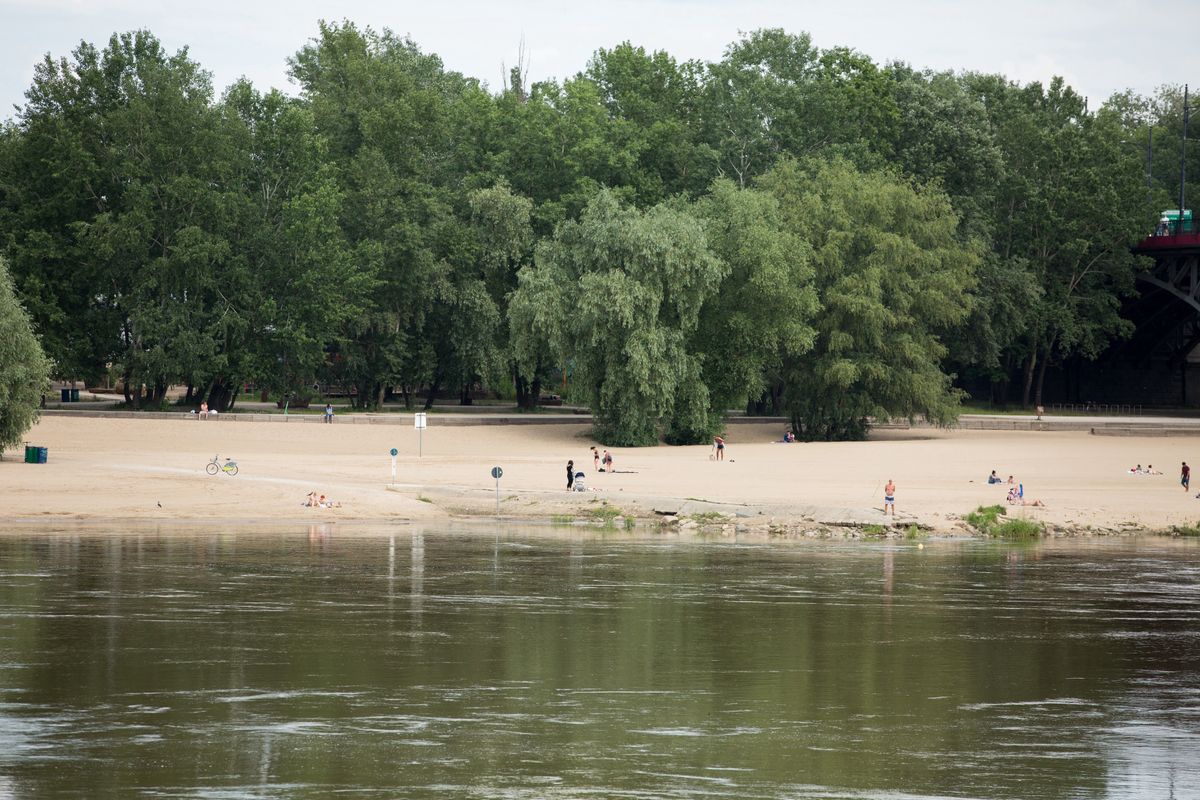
[362, 662]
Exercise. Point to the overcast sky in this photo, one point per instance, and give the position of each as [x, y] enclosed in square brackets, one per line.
[1099, 46]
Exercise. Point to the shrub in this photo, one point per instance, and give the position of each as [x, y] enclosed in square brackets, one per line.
[1018, 529]
[985, 518]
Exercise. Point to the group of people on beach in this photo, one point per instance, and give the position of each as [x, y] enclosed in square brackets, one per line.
[601, 463]
[313, 500]
[1016, 491]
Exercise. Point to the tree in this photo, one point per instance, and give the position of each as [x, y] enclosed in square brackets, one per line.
[891, 275]
[617, 296]
[24, 368]
[761, 316]
[1070, 203]
[132, 149]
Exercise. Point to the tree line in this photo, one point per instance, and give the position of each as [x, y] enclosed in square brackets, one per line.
[791, 229]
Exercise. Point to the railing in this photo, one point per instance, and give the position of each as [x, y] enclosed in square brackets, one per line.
[1098, 409]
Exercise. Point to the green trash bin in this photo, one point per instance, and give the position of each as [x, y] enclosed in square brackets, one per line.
[74, 395]
[30, 454]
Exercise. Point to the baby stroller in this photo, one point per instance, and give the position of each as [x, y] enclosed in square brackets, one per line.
[580, 485]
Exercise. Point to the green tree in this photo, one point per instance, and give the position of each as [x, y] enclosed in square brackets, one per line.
[396, 124]
[617, 296]
[890, 275]
[1069, 204]
[761, 316]
[24, 368]
[128, 138]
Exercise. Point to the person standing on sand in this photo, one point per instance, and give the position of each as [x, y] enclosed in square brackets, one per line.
[1185, 475]
[595, 459]
[889, 497]
[608, 461]
[719, 447]
[570, 475]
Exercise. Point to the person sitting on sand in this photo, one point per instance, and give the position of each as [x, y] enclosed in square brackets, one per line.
[1013, 497]
[994, 478]
[1010, 480]
[310, 500]
[1150, 470]
[204, 410]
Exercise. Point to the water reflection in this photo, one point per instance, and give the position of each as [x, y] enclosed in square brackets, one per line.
[517, 665]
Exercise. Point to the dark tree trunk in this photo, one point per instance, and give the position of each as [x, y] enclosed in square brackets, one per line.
[1041, 378]
[522, 387]
[535, 393]
[129, 397]
[380, 391]
[464, 395]
[1030, 363]
[433, 390]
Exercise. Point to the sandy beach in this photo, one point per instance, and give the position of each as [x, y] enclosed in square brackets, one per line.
[145, 469]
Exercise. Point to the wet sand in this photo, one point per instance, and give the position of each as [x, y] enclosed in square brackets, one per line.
[145, 469]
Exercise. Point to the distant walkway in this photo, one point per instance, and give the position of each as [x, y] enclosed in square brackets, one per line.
[456, 416]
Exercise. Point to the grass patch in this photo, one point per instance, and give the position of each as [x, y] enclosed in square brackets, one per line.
[874, 530]
[604, 513]
[630, 523]
[1018, 529]
[1186, 530]
[559, 519]
[422, 498]
[985, 518]
[914, 532]
[707, 516]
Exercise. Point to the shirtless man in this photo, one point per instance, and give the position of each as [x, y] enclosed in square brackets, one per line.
[889, 497]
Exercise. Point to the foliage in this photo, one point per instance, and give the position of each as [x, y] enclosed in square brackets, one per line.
[24, 368]
[1018, 529]
[791, 229]
[985, 518]
[890, 277]
[617, 295]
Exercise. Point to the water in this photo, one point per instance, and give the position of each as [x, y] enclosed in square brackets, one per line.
[369, 663]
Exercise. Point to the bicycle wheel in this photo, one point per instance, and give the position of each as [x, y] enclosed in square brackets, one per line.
[211, 469]
[231, 469]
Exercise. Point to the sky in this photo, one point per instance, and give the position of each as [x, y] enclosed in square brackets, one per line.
[1098, 46]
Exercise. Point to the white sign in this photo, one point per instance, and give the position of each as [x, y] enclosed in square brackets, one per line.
[419, 421]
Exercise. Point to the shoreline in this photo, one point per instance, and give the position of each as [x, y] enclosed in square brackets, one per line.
[152, 470]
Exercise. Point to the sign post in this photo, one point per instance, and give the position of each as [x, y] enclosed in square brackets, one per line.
[496, 473]
[395, 453]
[420, 422]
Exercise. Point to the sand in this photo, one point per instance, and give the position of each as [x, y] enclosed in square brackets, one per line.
[145, 469]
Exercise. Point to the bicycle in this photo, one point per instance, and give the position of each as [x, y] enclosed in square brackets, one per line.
[215, 466]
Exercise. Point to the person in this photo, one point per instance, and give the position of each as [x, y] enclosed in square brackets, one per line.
[329, 413]
[1164, 226]
[595, 459]
[1151, 471]
[994, 478]
[1010, 480]
[608, 462]
[889, 497]
[789, 437]
[204, 410]
[1012, 496]
[719, 446]
[310, 500]
[1185, 476]
[570, 475]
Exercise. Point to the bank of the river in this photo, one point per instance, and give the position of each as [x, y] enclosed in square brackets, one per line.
[119, 468]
